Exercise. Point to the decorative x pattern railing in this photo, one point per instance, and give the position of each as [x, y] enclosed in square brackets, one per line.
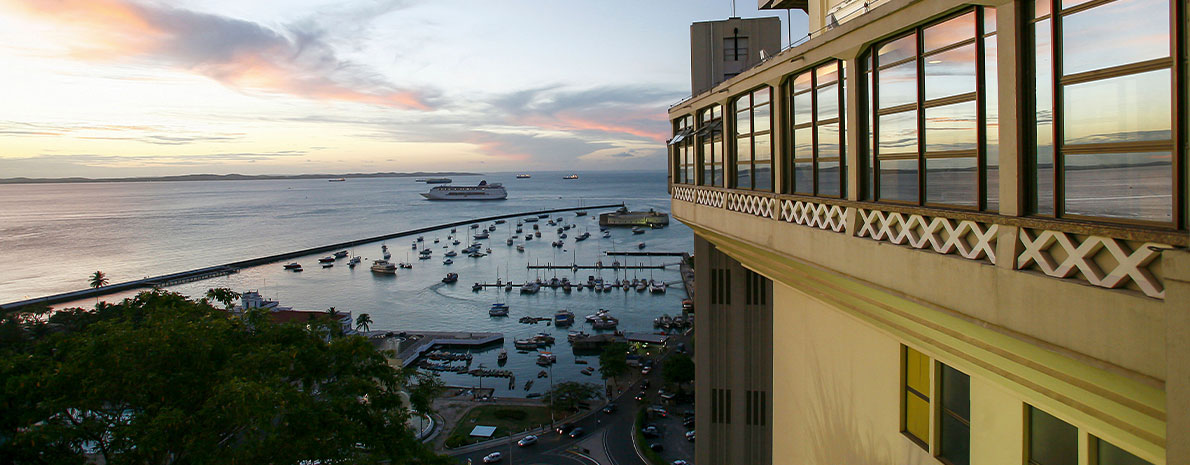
[965, 238]
[1130, 264]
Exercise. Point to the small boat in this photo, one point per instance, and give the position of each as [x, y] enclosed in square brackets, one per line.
[503, 357]
[536, 233]
[525, 344]
[337, 180]
[563, 318]
[383, 267]
[491, 227]
[327, 265]
[637, 230]
[546, 358]
[387, 255]
[520, 230]
[293, 266]
[528, 384]
[498, 310]
[341, 254]
[587, 371]
[421, 239]
[455, 242]
[573, 176]
[452, 254]
[451, 278]
[580, 362]
[477, 287]
[640, 245]
[475, 226]
[522, 176]
[508, 287]
[575, 335]
[414, 247]
[657, 287]
[543, 374]
[500, 221]
[326, 260]
[448, 262]
[509, 241]
[532, 219]
[580, 213]
[481, 235]
[530, 288]
[354, 261]
[544, 215]
[405, 265]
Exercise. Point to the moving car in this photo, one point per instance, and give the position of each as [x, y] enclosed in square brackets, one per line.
[492, 457]
[527, 441]
[565, 428]
[690, 435]
[577, 432]
[641, 396]
[609, 408]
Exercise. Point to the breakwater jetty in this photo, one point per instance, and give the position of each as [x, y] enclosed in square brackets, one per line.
[229, 268]
[411, 346]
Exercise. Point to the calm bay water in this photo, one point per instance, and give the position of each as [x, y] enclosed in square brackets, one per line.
[53, 236]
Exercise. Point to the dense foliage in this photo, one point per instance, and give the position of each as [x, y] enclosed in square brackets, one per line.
[613, 361]
[161, 379]
[570, 395]
[678, 369]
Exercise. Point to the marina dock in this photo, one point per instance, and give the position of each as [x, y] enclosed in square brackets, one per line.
[410, 346]
[597, 266]
[648, 254]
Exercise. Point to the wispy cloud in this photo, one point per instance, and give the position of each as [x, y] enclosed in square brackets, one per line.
[157, 135]
[240, 54]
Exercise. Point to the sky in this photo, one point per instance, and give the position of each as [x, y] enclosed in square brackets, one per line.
[113, 88]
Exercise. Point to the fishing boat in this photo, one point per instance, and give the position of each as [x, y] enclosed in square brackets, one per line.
[563, 318]
[546, 358]
[383, 267]
[503, 357]
[575, 335]
[606, 322]
[341, 254]
[451, 278]
[525, 344]
[293, 266]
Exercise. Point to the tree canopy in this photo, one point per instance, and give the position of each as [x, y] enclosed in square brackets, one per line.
[678, 369]
[161, 379]
[568, 395]
[613, 361]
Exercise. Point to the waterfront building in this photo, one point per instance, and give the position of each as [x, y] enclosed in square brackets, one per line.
[945, 232]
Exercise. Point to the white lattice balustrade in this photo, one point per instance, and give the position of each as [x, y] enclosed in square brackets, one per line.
[1131, 265]
[965, 238]
[815, 215]
[751, 204]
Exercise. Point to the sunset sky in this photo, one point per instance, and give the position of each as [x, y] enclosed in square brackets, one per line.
[107, 88]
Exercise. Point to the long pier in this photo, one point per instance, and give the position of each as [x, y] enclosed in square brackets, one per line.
[648, 254]
[597, 267]
[229, 268]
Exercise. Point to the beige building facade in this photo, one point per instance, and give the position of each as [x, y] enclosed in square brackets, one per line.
[945, 232]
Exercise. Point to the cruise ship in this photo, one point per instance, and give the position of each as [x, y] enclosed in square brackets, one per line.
[483, 191]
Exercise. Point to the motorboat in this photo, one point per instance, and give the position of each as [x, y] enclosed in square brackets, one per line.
[326, 260]
[503, 357]
[520, 248]
[573, 176]
[544, 215]
[448, 262]
[530, 288]
[421, 239]
[491, 228]
[531, 219]
[546, 358]
[475, 226]
[293, 266]
[354, 261]
[580, 213]
[523, 176]
[327, 265]
[657, 287]
[500, 221]
[607, 234]
[640, 245]
[498, 309]
[482, 191]
[582, 237]
[383, 267]
[637, 230]
[575, 335]
[405, 265]
[597, 315]
[455, 242]
[508, 287]
[525, 344]
[563, 318]
[509, 241]
[341, 254]
[477, 287]
[605, 322]
[452, 254]
[451, 278]
[481, 235]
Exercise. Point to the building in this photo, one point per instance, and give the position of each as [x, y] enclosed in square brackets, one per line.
[945, 232]
[719, 50]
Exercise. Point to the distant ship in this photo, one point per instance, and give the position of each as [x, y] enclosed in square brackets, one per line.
[573, 176]
[438, 181]
[337, 180]
[483, 191]
[523, 176]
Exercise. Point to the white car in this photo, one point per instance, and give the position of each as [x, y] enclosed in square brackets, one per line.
[527, 441]
[493, 457]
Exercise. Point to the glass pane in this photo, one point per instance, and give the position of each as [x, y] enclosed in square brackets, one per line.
[828, 102]
[1116, 33]
[992, 130]
[870, 144]
[897, 50]
[952, 181]
[1112, 455]
[828, 140]
[1135, 186]
[917, 416]
[828, 178]
[760, 118]
[716, 111]
[764, 176]
[898, 133]
[760, 96]
[803, 177]
[898, 85]
[827, 73]
[743, 150]
[1051, 441]
[898, 180]
[743, 176]
[951, 72]
[803, 108]
[802, 82]
[951, 127]
[1122, 109]
[956, 392]
[803, 144]
[743, 125]
[1041, 8]
[952, 31]
[955, 444]
[708, 162]
[989, 20]
[763, 150]
[1044, 150]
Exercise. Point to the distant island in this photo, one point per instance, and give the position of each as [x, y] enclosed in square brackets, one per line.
[232, 177]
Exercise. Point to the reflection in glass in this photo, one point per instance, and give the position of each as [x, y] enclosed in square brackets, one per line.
[1122, 109]
[992, 120]
[949, 32]
[1051, 441]
[828, 178]
[1041, 8]
[760, 96]
[897, 50]
[803, 144]
[989, 20]
[743, 163]
[898, 180]
[743, 125]
[801, 82]
[828, 102]
[1134, 186]
[952, 127]
[1116, 33]
[764, 176]
[803, 107]
[898, 85]
[1109, 454]
[952, 181]
[760, 118]
[803, 177]
[763, 150]
[1044, 148]
[828, 140]
[898, 133]
[868, 168]
[951, 72]
[827, 73]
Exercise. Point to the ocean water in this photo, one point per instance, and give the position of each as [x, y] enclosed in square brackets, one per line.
[53, 236]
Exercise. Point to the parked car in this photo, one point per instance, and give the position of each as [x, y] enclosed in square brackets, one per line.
[688, 422]
[492, 457]
[565, 428]
[527, 441]
[650, 432]
[657, 410]
[679, 462]
[609, 408]
[641, 396]
[690, 435]
[646, 370]
[577, 432]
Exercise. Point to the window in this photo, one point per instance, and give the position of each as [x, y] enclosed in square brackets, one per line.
[916, 396]
[1104, 108]
[753, 140]
[1051, 441]
[815, 101]
[954, 421]
[931, 116]
[735, 48]
[682, 147]
[1108, 454]
[710, 148]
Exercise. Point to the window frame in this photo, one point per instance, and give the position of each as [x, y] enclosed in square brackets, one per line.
[789, 158]
[708, 129]
[1175, 146]
[906, 390]
[681, 151]
[751, 135]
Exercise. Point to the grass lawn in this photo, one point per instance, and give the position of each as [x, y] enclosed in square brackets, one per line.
[506, 419]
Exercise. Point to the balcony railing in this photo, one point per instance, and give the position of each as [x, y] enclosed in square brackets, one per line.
[1102, 255]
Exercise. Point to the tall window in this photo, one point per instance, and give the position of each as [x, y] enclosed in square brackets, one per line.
[753, 140]
[916, 396]
[1051, 441]
[1108, 454]
[735, 48]
[1104, 110]
[931, 114]
[816, 108]
[682, 148]
[710, 148]
[954, 420]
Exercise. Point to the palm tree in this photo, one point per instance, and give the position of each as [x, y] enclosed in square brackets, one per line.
[363, 322]
[223, 295]
[98, 280]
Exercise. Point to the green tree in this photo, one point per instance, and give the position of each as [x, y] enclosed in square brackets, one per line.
[678, 369]
[568, 395]
[98, 280]
[223, 295]
[363, 322]
[161, 379]
[613, 361]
